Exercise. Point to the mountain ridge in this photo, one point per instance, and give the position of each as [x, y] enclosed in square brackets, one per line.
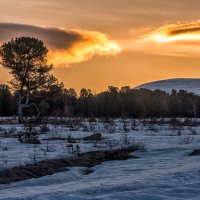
[188, 84]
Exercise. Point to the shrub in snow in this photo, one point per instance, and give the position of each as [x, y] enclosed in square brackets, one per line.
[29, 136]
[187, 139]
[35, 155]
[193, 132]
[3, 161]
[125, 138]
[44, 128]
[4, 147]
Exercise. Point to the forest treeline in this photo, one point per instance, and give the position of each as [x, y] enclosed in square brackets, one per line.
[114, 102]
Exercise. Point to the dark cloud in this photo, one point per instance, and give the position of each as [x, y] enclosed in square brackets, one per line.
[53, 37]
[184, 30]
[66, 46]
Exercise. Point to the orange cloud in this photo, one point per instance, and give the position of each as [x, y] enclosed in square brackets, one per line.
[66, 46]
[187, 32]
[181, 39]
[92, 43]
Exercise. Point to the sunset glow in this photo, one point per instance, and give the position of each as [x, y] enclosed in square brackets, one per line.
[165, 38]
[176, 33]
[93, 43]
[109, 42]
[100, 99]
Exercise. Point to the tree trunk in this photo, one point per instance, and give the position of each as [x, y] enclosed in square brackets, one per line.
[26, 104]
[20, 112]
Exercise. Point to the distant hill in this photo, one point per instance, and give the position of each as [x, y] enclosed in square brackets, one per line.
[188, 84]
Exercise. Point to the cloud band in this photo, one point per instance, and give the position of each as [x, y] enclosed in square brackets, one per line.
[66, 46]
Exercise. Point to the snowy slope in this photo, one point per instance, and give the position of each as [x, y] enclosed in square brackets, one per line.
[188, 84]
[163, 172]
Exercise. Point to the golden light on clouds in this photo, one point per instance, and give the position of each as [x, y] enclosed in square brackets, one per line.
[92, 43]
[153, 39]
[65, 46]
[176, 33]
[180, 39]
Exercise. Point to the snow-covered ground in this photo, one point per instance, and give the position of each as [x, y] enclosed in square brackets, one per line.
[163, 171]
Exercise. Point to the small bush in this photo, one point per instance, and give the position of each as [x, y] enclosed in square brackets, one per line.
[187, 139]
[44, 128]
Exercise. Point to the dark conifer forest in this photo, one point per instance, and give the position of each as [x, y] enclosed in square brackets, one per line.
[114, 102]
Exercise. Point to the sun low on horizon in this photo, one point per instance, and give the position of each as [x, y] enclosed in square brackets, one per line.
[95, 44]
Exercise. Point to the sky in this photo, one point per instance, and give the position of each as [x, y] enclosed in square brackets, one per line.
[98, 43]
